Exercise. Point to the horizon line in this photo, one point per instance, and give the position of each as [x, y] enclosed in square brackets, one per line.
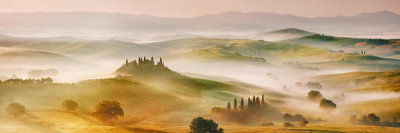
[124, 13]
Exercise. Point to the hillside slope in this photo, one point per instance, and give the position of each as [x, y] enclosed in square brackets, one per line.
[24, 57]
[78, 48]
[377, 47]
[388, 81]
[283, 34]
[284, 52]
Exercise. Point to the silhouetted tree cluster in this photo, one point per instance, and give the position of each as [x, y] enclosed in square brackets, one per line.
[28, 81]
[300, 119]
[256, 110]
[15, 109]
[201, 125]
[372, 119]
[142, 66]
[314, 95]
[109, 110]
[327, 104]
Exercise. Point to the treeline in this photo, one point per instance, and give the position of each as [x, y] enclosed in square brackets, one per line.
[372, 119]
[254, 104]
[27, 81]
[256, 110]
[142, 66]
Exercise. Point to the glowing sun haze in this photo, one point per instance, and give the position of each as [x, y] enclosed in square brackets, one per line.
[192, 8]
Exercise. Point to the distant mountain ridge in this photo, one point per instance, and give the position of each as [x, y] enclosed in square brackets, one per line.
[138, 26]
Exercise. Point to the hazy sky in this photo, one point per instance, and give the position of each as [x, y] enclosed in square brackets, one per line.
[191, 8]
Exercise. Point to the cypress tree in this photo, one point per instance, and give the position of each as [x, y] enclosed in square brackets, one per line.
[262, 99]
[161, 62]
[258, 101]
[126, 65]
[249, 103]
[254, 100]
[140, 61]
[229, 106]
[241, 104]
[235, 104]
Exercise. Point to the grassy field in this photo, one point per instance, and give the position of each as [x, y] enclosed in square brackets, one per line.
[57, 121]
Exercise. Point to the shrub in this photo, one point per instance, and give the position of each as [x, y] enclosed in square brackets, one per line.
[108, 110]
[15, 109]
[201, 125]
[69, 105]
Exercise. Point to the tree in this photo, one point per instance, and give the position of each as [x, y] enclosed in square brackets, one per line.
[327, 104]
[109, 110]
[201, 125]
[249, 103]
[262, 99]
[15, 109]
[241, 104]
[258, 101]
[69, 105]
[314, 95]
[235, 105]
[229, 106]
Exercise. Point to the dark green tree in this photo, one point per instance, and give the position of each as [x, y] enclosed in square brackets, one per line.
[201, 125]
[241, 104]
[109, 110]
[235, 104]
[262, 99]
[327, 104]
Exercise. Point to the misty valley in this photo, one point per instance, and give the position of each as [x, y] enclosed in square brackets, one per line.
[210, 74]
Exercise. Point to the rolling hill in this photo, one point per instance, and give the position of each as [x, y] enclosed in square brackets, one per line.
[82, 49]
[189, 44]
[283, 34]
[146, 93]
[378, 47]
[24, 57]
[284, 52]
[387, 81]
